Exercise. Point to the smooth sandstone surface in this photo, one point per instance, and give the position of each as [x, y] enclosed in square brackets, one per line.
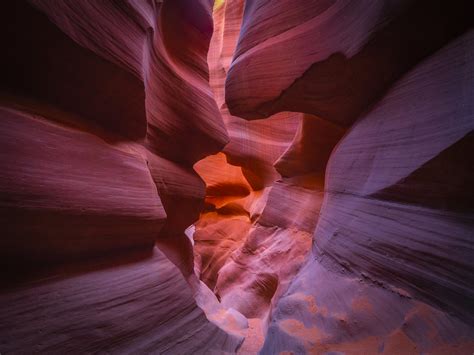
[142, 306]
[246, 254]
[67, 193]
[99, 100]
[332, 59]
[394, 228]
[118, 49]
[236, 176]
[431, 226]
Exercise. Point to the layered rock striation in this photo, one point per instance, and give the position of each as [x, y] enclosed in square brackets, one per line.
[105, 107]
[390, 263]
[191, 176]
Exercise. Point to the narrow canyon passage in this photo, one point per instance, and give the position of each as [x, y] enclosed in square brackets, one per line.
[237, 177]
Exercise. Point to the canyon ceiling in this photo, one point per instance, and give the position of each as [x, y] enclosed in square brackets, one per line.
[237, 176]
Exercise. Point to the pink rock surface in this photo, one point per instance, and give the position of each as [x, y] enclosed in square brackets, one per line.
[310, 149]
[245, 256]
[424, 227]
[131, 51]
[67, 193]
[257, 145]
[249, 248]
[182, 193]
[184, 122]
[395, 227]
[105, 107]
[330, 310]
[245, 146]
[142, 306]
[332, 58]
[67, 75]
[178, 175]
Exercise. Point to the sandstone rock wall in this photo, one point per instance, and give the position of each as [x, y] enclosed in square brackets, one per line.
[392, 244]
[391, 264]
[105, 106]
[180, 174]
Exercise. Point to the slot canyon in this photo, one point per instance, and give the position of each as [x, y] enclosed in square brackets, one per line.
[237, 177]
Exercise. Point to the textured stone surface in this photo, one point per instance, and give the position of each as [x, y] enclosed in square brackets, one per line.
[248, 244]
[191, 176]
[105, 107]
[142, 306]
[113, 73]
[67, 75]
[332, 58]
[66, 193]
[394, 228]
[184, 124]
[326, 309]
[406, 237]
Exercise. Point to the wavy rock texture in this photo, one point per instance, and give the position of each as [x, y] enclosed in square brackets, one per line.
[80, 195]
[191, 176]
[243, 261]
[148, 40]
[119, 308]
[435, 226]
[317, 48]
[105, 107]
[249, 245]
[128, 36]
[395, 227]
[328, 310]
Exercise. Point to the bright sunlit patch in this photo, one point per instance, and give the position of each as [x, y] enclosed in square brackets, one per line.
[218, 4]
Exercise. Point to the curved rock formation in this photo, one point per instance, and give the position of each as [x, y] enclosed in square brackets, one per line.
[394, 228]
[247, 254]
[148, 62]
[120, 308]
[236, 176]
[104, 111]
[332, 58]
[67, 193]
[436, 226]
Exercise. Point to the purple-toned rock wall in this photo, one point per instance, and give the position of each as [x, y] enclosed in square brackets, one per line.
[237, 176]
